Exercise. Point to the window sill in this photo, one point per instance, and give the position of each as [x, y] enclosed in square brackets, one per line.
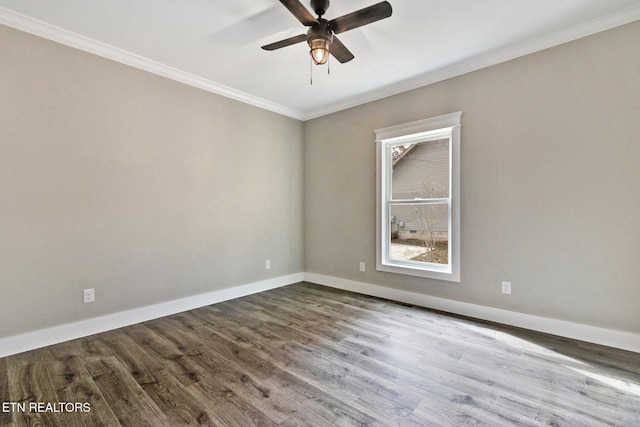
[435, 272]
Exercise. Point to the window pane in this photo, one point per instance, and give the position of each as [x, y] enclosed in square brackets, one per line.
[420, 170]
[419, 232]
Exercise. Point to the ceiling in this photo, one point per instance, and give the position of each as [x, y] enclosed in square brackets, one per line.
[215, 44]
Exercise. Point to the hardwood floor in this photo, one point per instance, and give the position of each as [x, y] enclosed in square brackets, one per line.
[306, 355]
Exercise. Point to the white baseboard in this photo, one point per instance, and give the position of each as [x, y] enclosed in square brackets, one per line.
[57, 334]
[609, 337]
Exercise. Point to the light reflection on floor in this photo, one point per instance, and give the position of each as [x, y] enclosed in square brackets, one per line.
[625, 386]
[519, 343]
[582, 368]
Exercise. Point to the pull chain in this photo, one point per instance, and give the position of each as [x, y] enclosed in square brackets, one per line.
[311, 68]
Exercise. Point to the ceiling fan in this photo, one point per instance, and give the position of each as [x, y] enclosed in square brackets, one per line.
[320, 37]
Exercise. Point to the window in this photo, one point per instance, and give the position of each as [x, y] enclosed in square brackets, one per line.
[418, 200]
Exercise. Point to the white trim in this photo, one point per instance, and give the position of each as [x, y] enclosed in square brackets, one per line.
[609, 337]
[51, 32]
[488, 59]
[57, 334]
[420, 128]
[444, 126]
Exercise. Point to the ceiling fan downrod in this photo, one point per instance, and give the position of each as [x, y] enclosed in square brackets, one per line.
[320, 6]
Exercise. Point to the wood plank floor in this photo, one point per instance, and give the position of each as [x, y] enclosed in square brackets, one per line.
[307, 355]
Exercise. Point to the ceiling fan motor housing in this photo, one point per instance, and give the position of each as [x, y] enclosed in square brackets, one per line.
[320, 31]
[320, 6]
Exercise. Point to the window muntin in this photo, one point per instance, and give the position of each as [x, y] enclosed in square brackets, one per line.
[418, 200]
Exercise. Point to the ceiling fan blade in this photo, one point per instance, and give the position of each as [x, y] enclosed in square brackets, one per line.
[361, 17]
[286, 42]
[300, 12]
[339, 51]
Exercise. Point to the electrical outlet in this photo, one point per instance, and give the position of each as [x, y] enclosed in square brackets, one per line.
[267, 264]
[88, 295]
[506, 288]
[362, 266]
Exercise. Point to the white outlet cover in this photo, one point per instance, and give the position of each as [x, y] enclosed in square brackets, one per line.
[506, 288]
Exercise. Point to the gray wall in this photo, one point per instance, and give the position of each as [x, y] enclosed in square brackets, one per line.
[140, 187]
[550, 183]
[149, 190]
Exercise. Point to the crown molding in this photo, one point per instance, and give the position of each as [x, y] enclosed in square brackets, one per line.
[68, 38]
[607, 22]
[77, 41]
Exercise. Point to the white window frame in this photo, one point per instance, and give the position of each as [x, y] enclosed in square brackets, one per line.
[432, 129]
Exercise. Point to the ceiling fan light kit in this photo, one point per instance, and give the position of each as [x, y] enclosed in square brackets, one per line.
[319, 50]
[319, 39]
[321, 35]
